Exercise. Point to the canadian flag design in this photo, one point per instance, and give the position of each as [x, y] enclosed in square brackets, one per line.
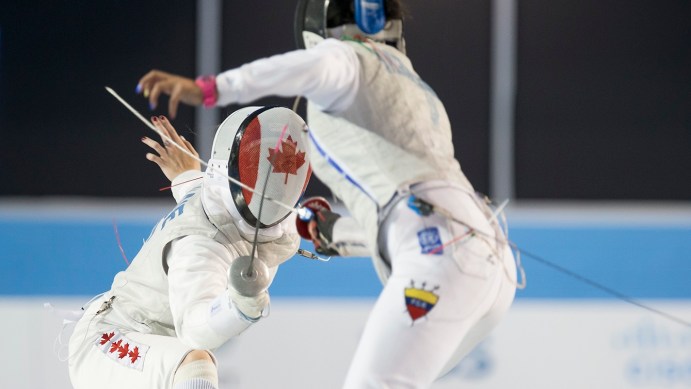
[122, 350]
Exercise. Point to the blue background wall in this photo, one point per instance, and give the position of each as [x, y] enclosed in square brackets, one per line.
[80, 257]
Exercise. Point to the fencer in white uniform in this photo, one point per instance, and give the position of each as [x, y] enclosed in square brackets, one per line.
[381, 141]
[164, 315]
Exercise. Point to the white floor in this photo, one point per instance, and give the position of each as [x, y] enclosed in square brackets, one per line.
[307, 344]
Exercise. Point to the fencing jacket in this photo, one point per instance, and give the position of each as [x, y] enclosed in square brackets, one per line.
[177, 283]
[375, 126]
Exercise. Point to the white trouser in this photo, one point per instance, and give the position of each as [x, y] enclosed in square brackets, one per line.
[105, 356]
[439, 302]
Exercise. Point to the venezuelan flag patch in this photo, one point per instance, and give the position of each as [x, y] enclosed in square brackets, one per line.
[418, 301]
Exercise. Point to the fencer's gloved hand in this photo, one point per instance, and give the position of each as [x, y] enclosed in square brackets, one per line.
[251, 307]
[321, 231]
[316, 223]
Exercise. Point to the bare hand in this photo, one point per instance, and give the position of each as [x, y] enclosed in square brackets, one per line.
[171, 159]
[180, 89]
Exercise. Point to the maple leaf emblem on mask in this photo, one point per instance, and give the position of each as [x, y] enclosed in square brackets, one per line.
[287, 160]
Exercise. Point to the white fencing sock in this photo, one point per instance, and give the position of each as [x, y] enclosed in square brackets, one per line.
[200, 374]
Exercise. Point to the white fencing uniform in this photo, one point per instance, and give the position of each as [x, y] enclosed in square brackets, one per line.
[377, 134]
[173, 297]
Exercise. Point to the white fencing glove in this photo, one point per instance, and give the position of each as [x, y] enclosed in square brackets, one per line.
[250, 307]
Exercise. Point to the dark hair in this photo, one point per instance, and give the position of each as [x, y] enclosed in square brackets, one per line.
[343, 11]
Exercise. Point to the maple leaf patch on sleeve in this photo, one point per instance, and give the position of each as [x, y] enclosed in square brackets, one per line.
[105, 338]
[115, 346]
[287, 160]
[134, 354]
[123, 350]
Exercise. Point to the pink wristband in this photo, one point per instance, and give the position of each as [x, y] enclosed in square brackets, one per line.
[208, 87]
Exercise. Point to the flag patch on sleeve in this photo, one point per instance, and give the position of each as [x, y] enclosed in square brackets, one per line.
[122, 350]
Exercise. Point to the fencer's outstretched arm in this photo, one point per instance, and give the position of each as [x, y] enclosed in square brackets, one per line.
[327, 74]
[206, 313]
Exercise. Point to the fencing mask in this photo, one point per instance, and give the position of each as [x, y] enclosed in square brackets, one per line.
[263, 148]
[316, 20]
